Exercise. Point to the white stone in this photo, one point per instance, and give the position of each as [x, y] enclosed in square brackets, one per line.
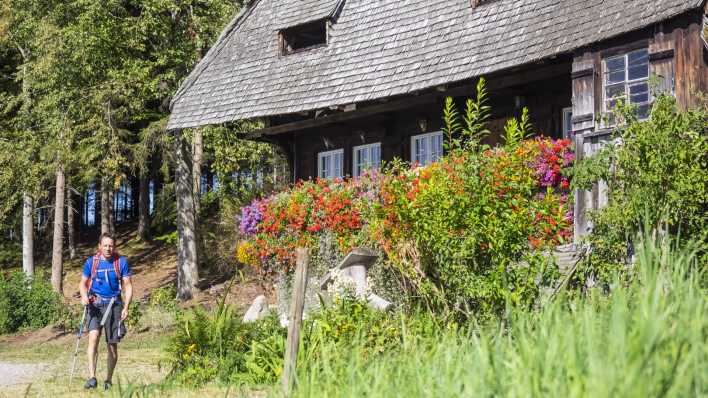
[256, 310]
[378, 302]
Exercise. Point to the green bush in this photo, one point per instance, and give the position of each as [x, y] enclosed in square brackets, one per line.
[161, 311]
[165, 298]
[656, 175]
[645, 340]
[28, 303]
[216, 345]
[10, 253]
[457, 236]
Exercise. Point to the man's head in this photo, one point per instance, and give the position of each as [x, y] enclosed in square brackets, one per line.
[106, 245]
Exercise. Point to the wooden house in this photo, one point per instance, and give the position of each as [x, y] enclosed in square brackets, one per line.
[344, 84]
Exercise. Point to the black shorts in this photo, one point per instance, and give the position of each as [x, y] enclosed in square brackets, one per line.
[114, 329]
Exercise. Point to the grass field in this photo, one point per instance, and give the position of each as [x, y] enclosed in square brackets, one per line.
[643, 340]
[646, 340]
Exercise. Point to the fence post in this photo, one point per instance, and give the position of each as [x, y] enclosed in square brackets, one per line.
[296, 308]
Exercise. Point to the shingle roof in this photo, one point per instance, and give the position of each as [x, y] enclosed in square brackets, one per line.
[380, 48]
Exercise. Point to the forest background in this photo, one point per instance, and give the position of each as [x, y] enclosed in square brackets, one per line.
[85, 89]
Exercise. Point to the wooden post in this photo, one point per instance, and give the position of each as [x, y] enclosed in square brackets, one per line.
[296, 307]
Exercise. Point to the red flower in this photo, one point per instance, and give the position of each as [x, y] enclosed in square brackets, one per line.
[314, 228]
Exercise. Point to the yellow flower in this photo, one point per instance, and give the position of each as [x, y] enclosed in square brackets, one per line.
[246, 253]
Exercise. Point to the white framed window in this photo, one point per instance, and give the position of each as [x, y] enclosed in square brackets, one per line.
[330, 164]
[366, 157]
[426, 148]
[567, 122]
[626, 78]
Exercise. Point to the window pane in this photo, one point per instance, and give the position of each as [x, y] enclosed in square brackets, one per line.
[614, 64]
[638, 57]
[639, 72]
[328, 166]
[615, 77]
[376, 155]
[639, 93]
[364, 156]
[337, 165]
[422, 144]
[437, 149]
[418, 150]
[615, 90]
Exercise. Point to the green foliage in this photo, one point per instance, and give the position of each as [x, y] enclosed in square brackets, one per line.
[658, 176]
[10, 253]
[461, 232]
[135, 315]
[466, 134]
[647, 339]
[169, 239]
[165, 217]
[164, 297]
[27, 304]
[161, 312]
[516, 131]
[217, 346]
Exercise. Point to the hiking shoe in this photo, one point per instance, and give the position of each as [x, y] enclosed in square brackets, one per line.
[91, 383]
[107, 385]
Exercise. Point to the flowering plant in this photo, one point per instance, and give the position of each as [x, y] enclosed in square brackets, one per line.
[552, 156]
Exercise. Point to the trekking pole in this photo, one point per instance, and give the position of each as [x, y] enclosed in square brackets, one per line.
[78, 338]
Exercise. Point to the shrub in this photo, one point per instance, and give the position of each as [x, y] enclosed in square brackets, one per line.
[215, 345]
[658, 176]
[646, 339]
[161, 311]
[458, 234]
[27, 303]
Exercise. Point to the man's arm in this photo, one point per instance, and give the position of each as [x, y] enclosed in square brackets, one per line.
[128, 296]
[83, 289]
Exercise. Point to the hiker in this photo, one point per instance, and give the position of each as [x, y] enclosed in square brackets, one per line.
[105, 275]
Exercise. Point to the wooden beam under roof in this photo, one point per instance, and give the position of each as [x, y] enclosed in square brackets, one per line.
[494, 82]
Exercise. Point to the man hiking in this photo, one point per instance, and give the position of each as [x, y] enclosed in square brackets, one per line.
[105, 275]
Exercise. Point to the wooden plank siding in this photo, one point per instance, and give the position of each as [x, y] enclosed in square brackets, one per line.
[545, 100]
[678, 61]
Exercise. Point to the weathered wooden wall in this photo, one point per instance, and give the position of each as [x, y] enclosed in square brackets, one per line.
[677, 57]
[545, 100]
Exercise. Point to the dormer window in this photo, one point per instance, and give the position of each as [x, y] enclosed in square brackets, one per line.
[303, 37]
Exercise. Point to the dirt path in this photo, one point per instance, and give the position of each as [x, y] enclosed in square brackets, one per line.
[14, 374]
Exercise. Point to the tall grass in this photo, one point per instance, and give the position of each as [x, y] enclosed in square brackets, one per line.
[643, 340]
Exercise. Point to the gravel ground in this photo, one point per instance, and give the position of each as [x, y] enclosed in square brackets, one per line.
[20, 373]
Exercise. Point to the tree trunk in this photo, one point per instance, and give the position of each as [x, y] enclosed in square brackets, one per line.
[70, 217]
[58, 241]
[27, 235]
[197, 160]
[27, 203]
[197, 156]
[112, 212]
[144, 209]
[187, 269]
[106, 208]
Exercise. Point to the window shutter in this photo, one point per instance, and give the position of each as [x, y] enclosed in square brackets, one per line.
[661, 63]
[583, 84]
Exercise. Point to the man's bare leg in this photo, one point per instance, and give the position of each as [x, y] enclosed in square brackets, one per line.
[112, 359]
[92, 351]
